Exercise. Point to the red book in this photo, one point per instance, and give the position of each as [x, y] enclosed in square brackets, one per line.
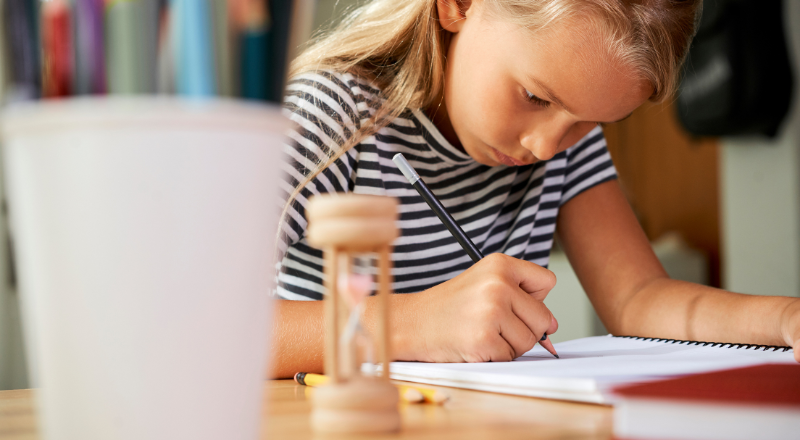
[760, 402]
[56, 49]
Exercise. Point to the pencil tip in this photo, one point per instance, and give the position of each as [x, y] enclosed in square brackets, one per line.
[557, 357]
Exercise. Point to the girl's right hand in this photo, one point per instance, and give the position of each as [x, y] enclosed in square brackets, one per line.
[493, 311]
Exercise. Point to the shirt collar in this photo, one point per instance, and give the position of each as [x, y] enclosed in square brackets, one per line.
[439, 145]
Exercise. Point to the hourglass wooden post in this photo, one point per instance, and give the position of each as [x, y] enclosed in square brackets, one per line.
[344, 225]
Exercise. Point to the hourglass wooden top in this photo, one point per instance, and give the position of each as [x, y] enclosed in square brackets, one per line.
[352, 222]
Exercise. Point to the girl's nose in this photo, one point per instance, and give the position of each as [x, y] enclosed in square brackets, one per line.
[544, 140]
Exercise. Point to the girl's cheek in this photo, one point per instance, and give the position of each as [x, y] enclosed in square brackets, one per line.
[577, 133]
[488, 111]
[501, 126]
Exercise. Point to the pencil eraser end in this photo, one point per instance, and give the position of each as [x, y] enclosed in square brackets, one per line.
[405, 168]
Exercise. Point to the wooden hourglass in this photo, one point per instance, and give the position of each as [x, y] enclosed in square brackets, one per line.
[344, 226]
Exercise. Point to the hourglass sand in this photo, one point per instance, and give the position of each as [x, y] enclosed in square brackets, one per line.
[344, 226]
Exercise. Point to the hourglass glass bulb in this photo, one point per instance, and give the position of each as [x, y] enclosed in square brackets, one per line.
[355, 287]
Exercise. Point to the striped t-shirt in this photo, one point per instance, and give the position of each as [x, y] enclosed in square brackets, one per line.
[503, 209]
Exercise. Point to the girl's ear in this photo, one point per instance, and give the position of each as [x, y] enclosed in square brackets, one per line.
[452, 13]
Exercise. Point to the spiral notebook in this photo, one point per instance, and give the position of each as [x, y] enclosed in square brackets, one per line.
[590, 367]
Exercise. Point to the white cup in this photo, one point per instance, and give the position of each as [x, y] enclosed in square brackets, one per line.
[143, 231]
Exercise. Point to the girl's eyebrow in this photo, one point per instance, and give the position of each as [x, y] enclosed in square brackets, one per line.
[553, 97]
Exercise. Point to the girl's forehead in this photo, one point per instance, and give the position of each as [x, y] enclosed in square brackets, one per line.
[571, 58]
[577, 37]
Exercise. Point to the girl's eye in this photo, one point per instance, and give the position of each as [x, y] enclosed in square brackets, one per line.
[537, 100]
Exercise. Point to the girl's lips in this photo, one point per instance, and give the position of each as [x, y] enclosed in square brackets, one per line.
[507, 160]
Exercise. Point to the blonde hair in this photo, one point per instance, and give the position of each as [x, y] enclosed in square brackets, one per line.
[400, 47]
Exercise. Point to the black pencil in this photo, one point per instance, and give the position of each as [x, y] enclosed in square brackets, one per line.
[449, 222]
[437, 207]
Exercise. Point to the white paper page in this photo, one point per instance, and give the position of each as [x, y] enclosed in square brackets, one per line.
[592, 365]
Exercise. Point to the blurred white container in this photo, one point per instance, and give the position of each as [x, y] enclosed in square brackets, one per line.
[143, 233]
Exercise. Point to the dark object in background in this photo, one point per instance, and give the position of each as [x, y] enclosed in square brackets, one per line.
[737, 78]
[22, 43]
[278, 48]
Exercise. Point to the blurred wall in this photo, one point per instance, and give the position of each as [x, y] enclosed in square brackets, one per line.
[670, 179]
[330, 12]
[760, 181]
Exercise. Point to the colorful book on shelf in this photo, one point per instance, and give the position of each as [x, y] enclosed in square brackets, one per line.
[22, 42]
[5, 73]
[165, 76]
[56, 49]
[150, 15]
[589, 368]
[224, 48]
[194, 47]
[131, 46]
[89, 48]
[252, 22]
[277, 48]
[758, 402]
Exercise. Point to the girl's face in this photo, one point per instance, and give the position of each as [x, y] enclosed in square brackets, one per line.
[512, 97]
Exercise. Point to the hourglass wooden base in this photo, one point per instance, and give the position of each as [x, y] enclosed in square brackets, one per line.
[360, 405]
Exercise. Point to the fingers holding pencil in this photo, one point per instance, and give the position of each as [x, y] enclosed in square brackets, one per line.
[534, 280]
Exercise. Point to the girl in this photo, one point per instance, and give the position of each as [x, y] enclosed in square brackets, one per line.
[498, 105]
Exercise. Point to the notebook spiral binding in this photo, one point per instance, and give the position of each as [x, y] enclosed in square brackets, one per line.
[712, 344]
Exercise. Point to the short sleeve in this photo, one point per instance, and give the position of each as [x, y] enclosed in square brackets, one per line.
[588, 164]
[327, 110]
[323, 110]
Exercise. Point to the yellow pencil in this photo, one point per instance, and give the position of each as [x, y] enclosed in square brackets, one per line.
[429, 395]
[311, 379]
[409, 393]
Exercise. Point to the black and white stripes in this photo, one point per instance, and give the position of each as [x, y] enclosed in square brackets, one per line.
[503, 209]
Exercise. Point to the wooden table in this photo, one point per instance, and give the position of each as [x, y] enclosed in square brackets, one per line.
[467, 415]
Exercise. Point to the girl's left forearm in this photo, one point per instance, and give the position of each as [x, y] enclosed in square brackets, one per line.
[633, 295]
[681, 310]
